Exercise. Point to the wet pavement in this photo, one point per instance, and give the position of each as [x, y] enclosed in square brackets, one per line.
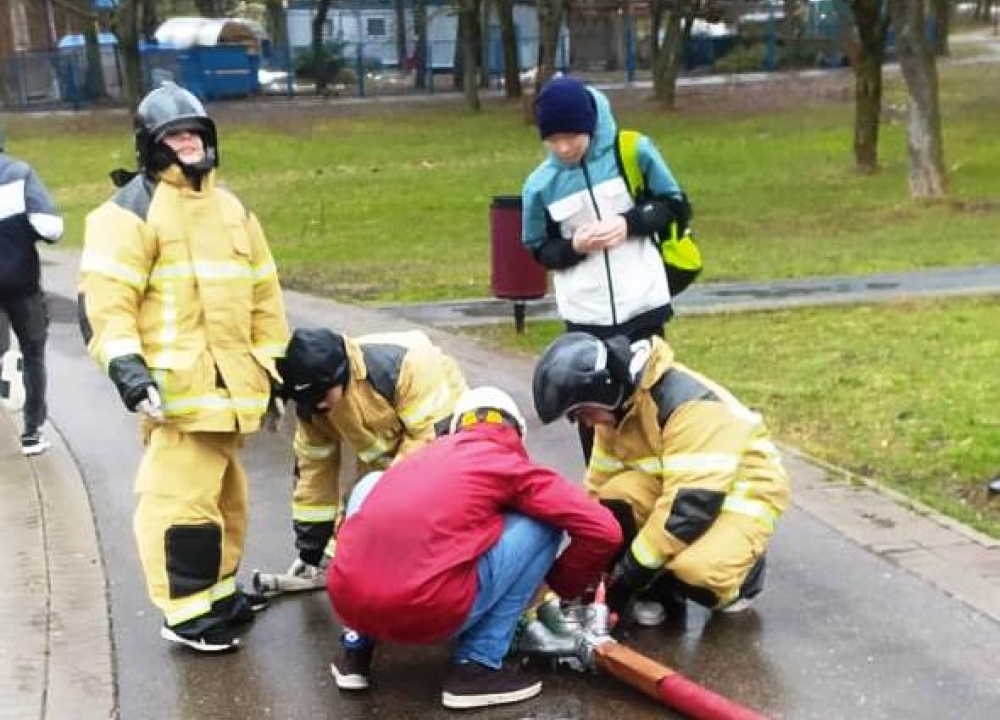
[720, 297]
[870, 611]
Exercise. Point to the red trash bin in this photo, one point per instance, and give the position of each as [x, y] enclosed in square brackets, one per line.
[514, 273]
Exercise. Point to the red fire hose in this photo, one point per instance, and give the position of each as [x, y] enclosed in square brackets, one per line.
[668, 686]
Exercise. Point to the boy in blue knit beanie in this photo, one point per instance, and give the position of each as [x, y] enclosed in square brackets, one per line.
[580, 220]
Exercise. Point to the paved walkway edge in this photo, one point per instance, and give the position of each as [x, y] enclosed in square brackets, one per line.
[951, 556]
[61, 657]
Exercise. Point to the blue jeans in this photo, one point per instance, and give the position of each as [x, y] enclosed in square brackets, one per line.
[29, 317]
[510, 574]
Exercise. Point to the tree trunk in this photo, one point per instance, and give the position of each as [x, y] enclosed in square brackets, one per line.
[401, 53]
[125, 25]
[421, 52]
[793, 26]
[872, 24]
[867, 112]
[511, 61]
[550, 17]
[149, 20]
[94, 75]
[942, 26]
[928, 176]
[278, 22]
[318, 51]
[469, 22]
[482, 42]
[666, 54]
[458, 63]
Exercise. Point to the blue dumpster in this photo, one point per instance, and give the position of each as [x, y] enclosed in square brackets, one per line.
[220, 71]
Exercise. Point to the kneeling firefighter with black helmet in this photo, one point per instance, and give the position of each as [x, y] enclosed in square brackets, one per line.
[688, 470]
[384, 396]
[180, 304]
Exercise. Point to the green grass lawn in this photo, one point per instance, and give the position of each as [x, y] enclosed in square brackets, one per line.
[390, 203]
[907, 394]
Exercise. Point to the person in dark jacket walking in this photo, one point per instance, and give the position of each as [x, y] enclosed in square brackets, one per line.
[27, 215]
[453, 542]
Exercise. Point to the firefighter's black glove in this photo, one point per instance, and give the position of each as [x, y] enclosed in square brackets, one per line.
[131, 376]
[627, 577]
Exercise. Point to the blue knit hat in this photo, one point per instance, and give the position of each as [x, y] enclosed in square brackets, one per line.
[565, 106]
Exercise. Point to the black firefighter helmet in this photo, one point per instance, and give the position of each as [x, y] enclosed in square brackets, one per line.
[171, 109]
[577, 370]
[315, 361]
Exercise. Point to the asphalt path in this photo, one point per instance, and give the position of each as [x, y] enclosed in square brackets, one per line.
[839, 632]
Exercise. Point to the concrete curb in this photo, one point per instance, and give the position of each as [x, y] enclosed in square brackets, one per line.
[951, 556]
[53, 605]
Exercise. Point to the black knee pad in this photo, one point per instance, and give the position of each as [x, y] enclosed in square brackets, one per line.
[194, 556]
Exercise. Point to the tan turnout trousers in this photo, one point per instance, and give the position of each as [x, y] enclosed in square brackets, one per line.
[191, 519]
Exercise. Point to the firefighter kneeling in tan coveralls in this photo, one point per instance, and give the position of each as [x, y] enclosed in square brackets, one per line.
[384, 395]
[180, 303]
[687, 469]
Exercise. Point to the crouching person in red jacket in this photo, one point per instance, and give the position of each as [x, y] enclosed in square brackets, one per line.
[453, 542]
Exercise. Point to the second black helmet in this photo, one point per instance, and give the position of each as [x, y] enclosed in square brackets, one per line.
[575, 370]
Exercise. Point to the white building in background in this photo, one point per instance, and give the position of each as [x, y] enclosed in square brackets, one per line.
[372, 24]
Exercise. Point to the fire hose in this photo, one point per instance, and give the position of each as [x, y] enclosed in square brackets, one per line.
[580, 638]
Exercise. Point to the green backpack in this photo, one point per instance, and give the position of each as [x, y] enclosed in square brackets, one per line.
[681, 256]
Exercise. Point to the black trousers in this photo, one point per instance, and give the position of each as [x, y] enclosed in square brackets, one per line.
[28, 317]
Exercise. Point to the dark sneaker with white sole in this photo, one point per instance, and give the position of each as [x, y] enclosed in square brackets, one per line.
[34, 443]
[217, 639]
[352, 662]
[472, 685]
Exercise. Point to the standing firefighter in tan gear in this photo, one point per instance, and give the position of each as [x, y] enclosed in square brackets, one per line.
[687, 469]
[383, 396]
[180, 304]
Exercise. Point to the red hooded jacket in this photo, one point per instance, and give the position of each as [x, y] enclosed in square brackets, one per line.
[405, 569]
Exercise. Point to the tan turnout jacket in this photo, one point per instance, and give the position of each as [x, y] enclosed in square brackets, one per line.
[692, 435]
[185, 279]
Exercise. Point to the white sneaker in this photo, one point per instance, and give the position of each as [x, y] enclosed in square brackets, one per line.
[219, 641]
[648, 613]
[34, 443]
[736, 606]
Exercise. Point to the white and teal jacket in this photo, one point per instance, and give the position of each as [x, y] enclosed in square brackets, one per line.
[613, 291]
